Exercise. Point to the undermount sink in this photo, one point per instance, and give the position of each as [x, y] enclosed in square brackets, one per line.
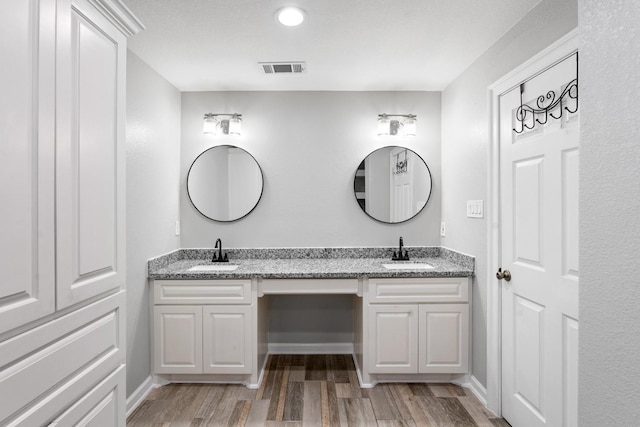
[408, 266]
[214, 267]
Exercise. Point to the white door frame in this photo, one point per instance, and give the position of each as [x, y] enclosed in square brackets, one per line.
[558, 51]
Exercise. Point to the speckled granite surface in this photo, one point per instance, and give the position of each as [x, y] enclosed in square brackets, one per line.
[310, 263]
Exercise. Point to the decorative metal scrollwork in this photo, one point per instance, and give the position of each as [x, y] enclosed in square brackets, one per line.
[528, 116]
[401, 165]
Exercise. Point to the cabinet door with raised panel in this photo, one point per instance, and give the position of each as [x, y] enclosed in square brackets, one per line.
[227, 339]
[104, 405]
[393, 331]
[90, 153]
[27, 141]
[177, 339]
[443, 338]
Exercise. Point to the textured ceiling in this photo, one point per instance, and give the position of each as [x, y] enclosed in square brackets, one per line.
[215, 45]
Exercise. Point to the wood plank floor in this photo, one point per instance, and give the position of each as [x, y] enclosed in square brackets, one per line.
[312, 390]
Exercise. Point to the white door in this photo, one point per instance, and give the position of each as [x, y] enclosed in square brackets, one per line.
[401, 185]
[539, 214]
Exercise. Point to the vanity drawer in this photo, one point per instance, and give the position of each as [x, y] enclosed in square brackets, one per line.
[202, 292]
[308, 286]
[445, 289]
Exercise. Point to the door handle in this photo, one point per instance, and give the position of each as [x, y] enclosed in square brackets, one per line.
[506, 275]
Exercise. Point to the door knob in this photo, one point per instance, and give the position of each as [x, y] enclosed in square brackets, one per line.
[506, 275]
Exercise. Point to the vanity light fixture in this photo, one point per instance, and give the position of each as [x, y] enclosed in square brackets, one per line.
[397, 124]
[290, 16]
[225, 124]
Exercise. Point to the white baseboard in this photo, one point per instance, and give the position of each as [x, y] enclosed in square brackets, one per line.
[478, 389]
[310, 348]
[138, 396]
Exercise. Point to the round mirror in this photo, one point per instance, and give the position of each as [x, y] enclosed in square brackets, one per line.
[224, 183]
[392, 184]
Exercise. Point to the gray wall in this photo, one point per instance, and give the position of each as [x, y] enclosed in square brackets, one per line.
[153, 176]
[309, 145]
[465, 140]
[609, 372]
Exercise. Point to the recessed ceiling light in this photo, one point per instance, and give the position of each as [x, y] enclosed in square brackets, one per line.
[290, 16]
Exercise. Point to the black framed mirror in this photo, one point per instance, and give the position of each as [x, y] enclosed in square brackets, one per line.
[392, 184]
[225, 183]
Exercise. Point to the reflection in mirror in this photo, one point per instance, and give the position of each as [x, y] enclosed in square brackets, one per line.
[392, 184]
[224, 183]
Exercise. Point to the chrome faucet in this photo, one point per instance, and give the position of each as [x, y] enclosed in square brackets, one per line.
[219, 257]
[400, 256]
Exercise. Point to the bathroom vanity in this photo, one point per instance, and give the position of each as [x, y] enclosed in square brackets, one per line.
[410, 318]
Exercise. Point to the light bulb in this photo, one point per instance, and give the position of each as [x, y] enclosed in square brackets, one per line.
[384, 125]
[409, 126]
[235, 125]
[210, 124]
[290, 16]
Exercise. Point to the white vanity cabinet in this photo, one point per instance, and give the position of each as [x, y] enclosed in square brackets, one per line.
[417, 326]
[204, 326]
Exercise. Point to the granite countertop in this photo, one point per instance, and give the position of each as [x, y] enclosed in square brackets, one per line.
[311, 263]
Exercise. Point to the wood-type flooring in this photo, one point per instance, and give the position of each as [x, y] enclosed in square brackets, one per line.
[312, 390]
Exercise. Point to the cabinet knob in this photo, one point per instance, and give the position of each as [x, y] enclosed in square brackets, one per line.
[506, 275]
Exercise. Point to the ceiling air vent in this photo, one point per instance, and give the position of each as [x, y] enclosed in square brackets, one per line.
[282, 67]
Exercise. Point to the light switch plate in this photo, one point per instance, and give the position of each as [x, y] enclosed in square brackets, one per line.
[443, 230]
[177, 228]
[475, 209]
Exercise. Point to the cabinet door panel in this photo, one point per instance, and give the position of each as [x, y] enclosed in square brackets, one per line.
[227, 339]
[104, 405]
[24, 382]
[393, 333]
[178, 339]
[90, 173]
[444, 338]
[27, 130]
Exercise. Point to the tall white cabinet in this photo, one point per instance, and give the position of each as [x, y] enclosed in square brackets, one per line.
[62, 172]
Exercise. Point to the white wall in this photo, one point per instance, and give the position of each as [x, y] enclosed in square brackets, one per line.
[309, 145]
[153, 176]
[609, 372]
[465, 140]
